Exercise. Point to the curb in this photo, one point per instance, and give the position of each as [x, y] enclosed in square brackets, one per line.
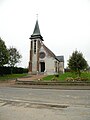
[80, 83]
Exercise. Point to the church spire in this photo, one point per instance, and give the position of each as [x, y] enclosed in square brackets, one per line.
[36, 32]
[36, 29]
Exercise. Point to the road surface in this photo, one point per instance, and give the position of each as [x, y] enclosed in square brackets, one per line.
[44, 104]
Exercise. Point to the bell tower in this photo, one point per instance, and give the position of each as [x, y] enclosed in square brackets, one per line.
[35, 44]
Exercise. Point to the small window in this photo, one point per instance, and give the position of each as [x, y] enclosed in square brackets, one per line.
[34, 46]
[55, 66]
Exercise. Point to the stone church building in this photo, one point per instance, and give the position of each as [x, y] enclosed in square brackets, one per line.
[42, 59]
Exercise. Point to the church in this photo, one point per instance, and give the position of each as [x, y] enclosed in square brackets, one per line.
[42, 59]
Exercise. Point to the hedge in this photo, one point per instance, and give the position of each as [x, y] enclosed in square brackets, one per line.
[15, 70]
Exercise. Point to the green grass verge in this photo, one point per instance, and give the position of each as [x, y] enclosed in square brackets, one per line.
[62, 77]
[12, 76]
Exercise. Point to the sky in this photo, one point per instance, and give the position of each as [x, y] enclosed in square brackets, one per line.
[64, 25]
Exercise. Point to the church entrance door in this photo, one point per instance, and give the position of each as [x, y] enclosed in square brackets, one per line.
[42, 66]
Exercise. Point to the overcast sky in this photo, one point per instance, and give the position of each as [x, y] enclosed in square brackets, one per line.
[64, 25]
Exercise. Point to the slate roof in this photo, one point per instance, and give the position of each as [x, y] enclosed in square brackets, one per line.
[60, 58]
[36, 29]
[36, 32]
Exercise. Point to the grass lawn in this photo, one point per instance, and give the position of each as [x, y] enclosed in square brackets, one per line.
[62, 77]
[12, 76]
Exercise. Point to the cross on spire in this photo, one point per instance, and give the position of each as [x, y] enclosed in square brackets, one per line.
[37, 16]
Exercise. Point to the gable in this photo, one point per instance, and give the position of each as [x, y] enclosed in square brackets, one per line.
[43, 48]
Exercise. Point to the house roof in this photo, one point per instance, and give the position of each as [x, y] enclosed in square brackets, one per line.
[60, 58]
[36, 32]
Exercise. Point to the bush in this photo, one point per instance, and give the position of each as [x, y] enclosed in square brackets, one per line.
[80, 79]
[84, 79]
[15, 70]
[55, 77]
[69, 79]
[76, 79]
[25, 70]
[5, 70]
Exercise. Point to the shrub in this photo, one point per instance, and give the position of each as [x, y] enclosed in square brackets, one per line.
[15, 70]
[76, 79]
[84, 79]
[69, 79]
[54, 78]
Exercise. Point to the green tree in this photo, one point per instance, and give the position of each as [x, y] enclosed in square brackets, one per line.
[3, 53]
[14, 56]
[77, 62]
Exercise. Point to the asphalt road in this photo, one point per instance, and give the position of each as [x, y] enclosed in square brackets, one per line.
[44, 104]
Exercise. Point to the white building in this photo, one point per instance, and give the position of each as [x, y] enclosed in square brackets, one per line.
[42, 59]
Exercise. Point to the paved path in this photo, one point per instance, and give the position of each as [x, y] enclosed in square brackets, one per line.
[44, 104]
[29, 78]
[32, 77]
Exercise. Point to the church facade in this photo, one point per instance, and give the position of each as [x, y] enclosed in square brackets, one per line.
[42, 59]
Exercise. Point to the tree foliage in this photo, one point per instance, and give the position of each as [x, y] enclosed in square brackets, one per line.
[3, 53]
[77, 62]
[14, 56]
